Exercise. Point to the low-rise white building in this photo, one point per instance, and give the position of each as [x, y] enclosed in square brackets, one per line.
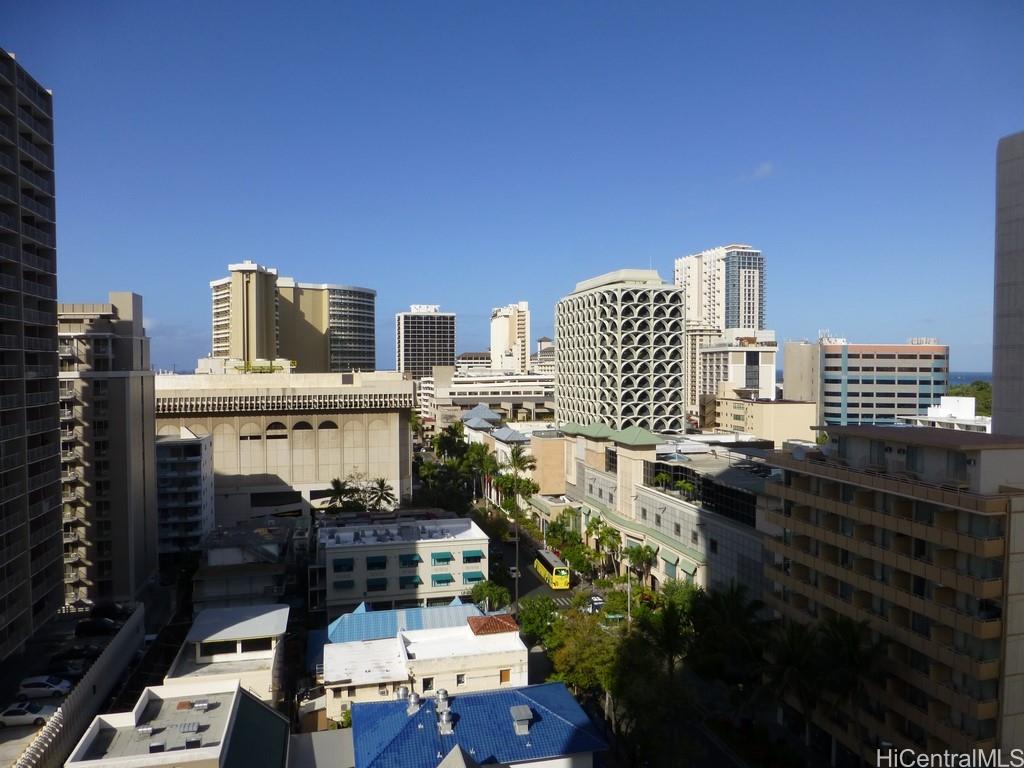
[483, 654]
[395, 565]
[240, 643]
[951, 413]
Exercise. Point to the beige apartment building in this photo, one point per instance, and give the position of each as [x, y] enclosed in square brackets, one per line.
[775, 420]
[108, 450]
[300, 430]
[259, 316]
[510, 338]
[918, 532]
[30, 582]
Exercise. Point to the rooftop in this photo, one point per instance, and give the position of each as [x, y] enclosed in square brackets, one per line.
[321, 749]
[363, 662]
[238, 623]
[949, 439]
[635, 277]
[454, 529]
[483, 726]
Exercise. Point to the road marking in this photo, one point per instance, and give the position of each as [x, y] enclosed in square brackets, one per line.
[563, 602]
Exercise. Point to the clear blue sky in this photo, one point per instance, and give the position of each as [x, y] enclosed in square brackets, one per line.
[473, 154]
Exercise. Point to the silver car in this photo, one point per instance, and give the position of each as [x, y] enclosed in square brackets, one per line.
[43, 686]
[26, 713]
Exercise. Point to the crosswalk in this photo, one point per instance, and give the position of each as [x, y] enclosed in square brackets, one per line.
[563, 602]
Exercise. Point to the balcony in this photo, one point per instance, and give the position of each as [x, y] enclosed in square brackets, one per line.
[9, 281]
[29, 91]
[42, 452]
[70, 477]
[11, 431]
[35, 153]
[43, 292]
[39, 343]
[40, 425]
[71, 497]
[39, 235]
[46, 397]
[43, 264]
[7, 221]
[37, 181]
[8, 402]
[70, 456]
[40, 318]
[41, 129]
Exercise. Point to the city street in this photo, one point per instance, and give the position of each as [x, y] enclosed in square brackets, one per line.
[530, 584]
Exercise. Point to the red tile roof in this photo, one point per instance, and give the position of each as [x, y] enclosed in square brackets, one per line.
[492, 625]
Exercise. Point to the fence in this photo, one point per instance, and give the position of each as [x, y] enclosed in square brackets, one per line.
[54, 742]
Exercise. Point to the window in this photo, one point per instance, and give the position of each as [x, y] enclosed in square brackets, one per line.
[460, 679]
[657, 520]
[376, 562]
[693, 537]
[472, 556]
[409, 561]
[409, 582]
[343, 564]
[351, 691]
[376, 585]
[337, 693]
[713, 546]
[677, 529]
[643, 513]
[504, 675]
[258, 644]
[428, 684]
[611, 497]
[441, 558]
[600, 493]
[382, 690]
[212, 649]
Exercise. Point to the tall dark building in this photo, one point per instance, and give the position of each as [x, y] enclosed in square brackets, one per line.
[31, 587]
[424, 337]
[1008, 308]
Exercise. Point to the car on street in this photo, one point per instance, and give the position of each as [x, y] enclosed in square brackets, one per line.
[513, 571]
[42, 686]
[88, 652]
[96, 627]
[25, 713]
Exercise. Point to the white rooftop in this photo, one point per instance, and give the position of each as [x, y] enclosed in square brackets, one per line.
[240, 622]
[365, 661]
[453, 529]
[458, 642]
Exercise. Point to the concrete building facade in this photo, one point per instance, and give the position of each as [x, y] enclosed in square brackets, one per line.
[424, 338]
[302, 430]
[510, 338]
[108, 450]
[1008, 307]
[30, 580]
[775, 420]
[916, 531]
[742, 359]
[445, 395]
[951, 413]
[259, 316]
[184, 478]
[866, 383]
[619, 352]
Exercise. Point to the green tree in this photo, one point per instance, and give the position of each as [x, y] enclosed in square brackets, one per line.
[822, 438]
[642, 559]
[730, 634]
[584, 652]
[475, 461]
[854, 656]
[451, 443]
[495, 595]
[342, 493]
[416, 424]
[380, 494]
[662, 479]
[795, 667]
[536, 616]
[685, 488]
[668, 632]
[981, 391]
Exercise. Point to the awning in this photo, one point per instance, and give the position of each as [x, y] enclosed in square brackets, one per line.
[688, 567]
[473, 553]
[670, 557]
[440, 579]
[472, 577]
[439, 558]
[410, 581]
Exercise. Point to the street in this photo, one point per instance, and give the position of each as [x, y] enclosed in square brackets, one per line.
[530, 584]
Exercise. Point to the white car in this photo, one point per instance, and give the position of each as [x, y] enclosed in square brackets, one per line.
[26, 713]
[43, 686]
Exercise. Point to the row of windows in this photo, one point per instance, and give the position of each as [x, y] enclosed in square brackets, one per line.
[409, 582]
[411, 560]
[886, 356]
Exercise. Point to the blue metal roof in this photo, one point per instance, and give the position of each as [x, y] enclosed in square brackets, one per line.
[386, 737]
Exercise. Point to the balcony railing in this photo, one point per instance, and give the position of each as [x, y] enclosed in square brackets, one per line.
[41, 425]
[39, 262]
[37, 181]
[35, 153]
[41, 129]
[43, 291]
[37, 234]
[40, 318]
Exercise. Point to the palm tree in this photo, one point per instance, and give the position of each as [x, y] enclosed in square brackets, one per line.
[685, 489]
[489, 467]
[341, 492]
[380, 494]
[668, 632]
[854, 656]
[794, 667]
[610, 541]
[642, 559]
[520, 461]
[731, 636]
[662, 479]
[416, 424]
[475, 462]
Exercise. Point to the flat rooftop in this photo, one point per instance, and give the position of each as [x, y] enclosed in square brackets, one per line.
[365, 661]
[931, 437]
[173, 719]
[459, 642]
[454, 529]
[241, 622]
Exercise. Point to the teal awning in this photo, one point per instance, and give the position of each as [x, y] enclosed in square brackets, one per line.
[472, 577]
[441, 579]
[473, 553]
[440, 558]
[409, 581]
[688, 567]
[670, 557]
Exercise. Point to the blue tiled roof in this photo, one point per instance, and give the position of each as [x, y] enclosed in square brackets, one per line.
[481, 411]
[386, 737]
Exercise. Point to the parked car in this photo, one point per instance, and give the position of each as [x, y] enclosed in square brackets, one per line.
[43, 686]
[72, 669]
[513, 571]
[26, 713]
[113, 611]
[95, 627]
[88, 652]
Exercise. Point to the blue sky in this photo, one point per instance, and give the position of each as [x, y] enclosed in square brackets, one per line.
[474, 154]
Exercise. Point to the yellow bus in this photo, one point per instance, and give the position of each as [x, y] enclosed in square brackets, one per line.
[551, 568]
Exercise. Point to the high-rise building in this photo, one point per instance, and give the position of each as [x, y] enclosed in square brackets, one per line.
[742, 359]
[912, 530]
[30, 581]
[108, 450]
[1008, 308]
[261, 316]
[724, 286]
[424, 338]
[866, 383]
[619, 352]
[510, 338]
[184, 476]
